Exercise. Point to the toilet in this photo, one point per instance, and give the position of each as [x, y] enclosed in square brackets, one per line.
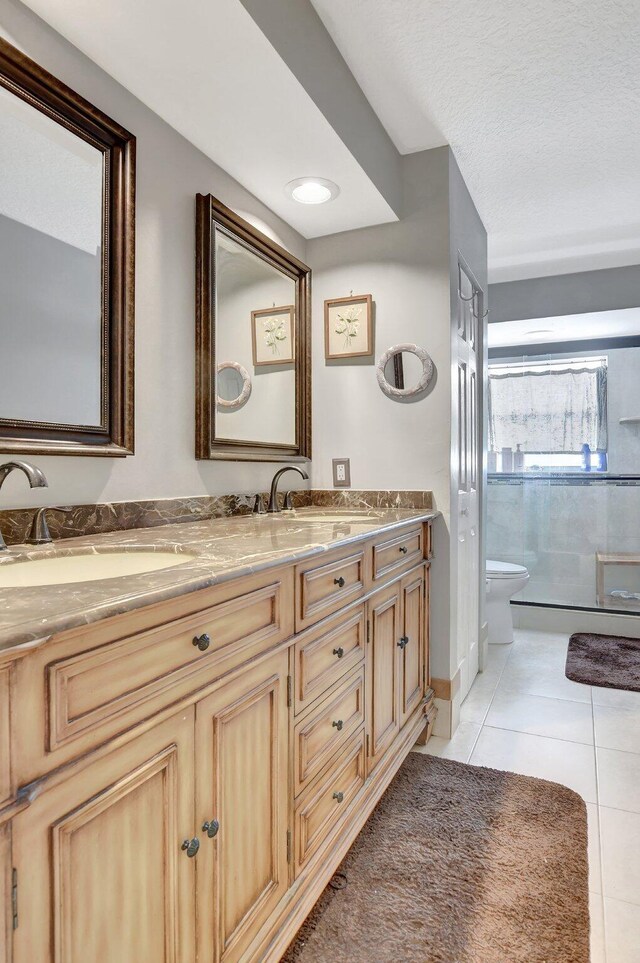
[503, 580]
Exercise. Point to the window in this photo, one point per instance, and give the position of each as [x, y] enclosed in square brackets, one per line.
[550, 410]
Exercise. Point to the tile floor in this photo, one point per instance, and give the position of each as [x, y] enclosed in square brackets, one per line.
[524, 715]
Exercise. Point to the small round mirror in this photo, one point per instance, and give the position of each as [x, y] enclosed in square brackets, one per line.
[233, 385]
[404, 371]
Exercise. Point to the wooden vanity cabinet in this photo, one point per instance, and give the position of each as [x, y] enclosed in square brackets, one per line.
[242, 793]
[101, 875]
[164, 803]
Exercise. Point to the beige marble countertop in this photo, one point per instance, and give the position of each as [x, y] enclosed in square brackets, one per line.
[225, 548]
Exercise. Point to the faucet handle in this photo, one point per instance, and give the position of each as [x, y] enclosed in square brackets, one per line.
[39, 533]
[258, 506]
[287, 505]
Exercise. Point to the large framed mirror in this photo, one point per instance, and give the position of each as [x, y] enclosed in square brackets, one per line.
[253, 324]
[67, 190]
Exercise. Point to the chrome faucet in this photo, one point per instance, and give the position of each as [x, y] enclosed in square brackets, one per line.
[35, 478]
[273, 495]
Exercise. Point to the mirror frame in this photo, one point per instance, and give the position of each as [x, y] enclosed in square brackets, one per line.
[428, 371]
[210, 213]
[245, 392]
[114, 437]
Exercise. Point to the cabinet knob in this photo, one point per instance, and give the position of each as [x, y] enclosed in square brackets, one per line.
[191, 846]
[404, 642]
[403, 549]
[211, 828]
[339, 651]
[202, 642]
[338, 796]
[338, 724]
[339, 581]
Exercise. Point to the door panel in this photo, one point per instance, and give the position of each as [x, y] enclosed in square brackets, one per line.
[466, 619]
[383, 671]
[242, 782]
[413, 654]
[101, 875]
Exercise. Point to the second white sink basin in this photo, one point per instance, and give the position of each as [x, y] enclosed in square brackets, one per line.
[67, 569]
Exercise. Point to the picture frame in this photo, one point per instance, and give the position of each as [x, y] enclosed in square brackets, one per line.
[348, 327]
[273, 336]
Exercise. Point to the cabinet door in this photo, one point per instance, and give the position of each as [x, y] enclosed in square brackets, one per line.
[101, 874]
[383, 671]
[6, 909]
[413, 642]
[242, 782]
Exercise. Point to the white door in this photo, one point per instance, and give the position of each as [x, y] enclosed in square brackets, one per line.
[465, 502]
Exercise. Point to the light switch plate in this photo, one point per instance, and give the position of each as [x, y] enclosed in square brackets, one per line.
[341, 473]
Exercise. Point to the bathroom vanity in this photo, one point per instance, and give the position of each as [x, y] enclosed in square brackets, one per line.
[185, 760]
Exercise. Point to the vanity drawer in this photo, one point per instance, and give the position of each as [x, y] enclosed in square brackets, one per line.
[95, 690]
[327, 800]
[327, 652]
[398, 552]
[321, 735]
[326, 585]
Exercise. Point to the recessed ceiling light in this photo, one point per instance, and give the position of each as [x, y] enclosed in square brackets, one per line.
[312, 190]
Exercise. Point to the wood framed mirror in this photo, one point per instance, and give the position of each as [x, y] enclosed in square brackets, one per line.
[67, 196]
[253, 314]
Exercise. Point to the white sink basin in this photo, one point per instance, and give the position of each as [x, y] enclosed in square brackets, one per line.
[67, 569]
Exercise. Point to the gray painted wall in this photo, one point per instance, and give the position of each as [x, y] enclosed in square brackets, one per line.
[50, 329]
[561, 294]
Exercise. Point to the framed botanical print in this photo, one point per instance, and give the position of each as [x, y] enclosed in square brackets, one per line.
[348, 327]
[273, 335]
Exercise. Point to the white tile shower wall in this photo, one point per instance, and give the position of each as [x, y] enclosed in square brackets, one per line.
[623, 390]
[556, 529]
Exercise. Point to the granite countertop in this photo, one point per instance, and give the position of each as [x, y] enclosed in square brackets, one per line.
[225, 548]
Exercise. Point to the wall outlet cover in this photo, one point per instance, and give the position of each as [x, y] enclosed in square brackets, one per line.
[341, 473]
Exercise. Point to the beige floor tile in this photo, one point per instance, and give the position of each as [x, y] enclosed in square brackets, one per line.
[618, 779]
[620, 843]
[621, 931]
[618, 698]
[595, 868]
[570, 764]
[476, 705]
[458, 747]
[544, 679]
[597, 928]
[617, 728]
[537, 715]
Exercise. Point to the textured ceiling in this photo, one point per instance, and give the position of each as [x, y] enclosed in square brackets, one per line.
[540, 101]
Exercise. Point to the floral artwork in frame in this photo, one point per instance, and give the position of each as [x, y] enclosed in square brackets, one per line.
[273, 335]
[348, 327]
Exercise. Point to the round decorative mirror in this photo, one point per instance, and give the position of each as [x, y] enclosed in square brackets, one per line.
[234, 385]
[404, 371]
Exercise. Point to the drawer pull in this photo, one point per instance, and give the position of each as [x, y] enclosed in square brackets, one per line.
[338, 725]
[404, 642]
[191, 846]
[202, 642]
[339, 581]
[211, 828]
[403, 549]
[339, 651]
[338, 796]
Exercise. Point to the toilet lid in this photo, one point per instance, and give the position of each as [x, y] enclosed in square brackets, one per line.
[504, 570]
